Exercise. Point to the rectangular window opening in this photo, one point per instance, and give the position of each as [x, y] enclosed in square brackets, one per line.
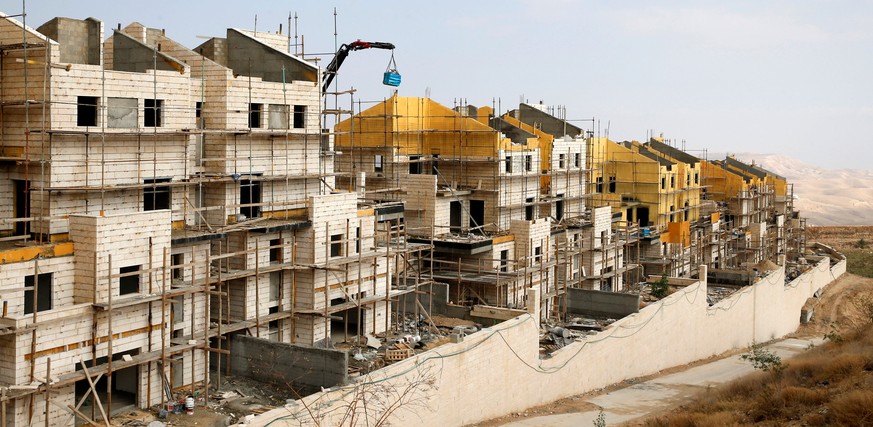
[414, 165]
[255, 111]
[128, 284]
[275, 284]
[504, 260]
[276, 250]
[528, 163]
[612, 184]
[577, 160]
[249, 198]
[358, 240]
[559, 207]
[529, 209]
[508, 166]
[86, 111]
[299, 116]
[153, 115]
[178, 270]
[156, 196]
[43, 293]
[377, 163]
[561, 161]
[336, 245]
[599, 185]
[198, 115]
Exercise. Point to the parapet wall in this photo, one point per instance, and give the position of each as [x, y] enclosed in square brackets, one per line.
[502, 363]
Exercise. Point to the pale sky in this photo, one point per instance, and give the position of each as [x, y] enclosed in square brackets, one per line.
[791, 77]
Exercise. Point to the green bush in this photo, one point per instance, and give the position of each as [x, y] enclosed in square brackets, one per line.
[659, 288]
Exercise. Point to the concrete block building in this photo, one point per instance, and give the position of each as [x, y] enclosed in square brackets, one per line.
[163, 200]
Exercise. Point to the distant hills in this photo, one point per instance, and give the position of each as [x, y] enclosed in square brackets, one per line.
[823, 196]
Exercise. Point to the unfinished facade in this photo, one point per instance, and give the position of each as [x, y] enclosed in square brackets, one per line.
[502, 200]
[163, 200]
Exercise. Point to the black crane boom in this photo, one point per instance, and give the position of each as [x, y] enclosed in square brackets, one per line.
[343, 52]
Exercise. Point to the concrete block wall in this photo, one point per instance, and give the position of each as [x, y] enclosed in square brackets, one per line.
[13, 74]
[79, 160]
[124, 237]
[61, 339]
[6, 205]
[80, 40]
[187, 254]
[12, 277]
[243, 91]
[288, 365]
[88, 80]
[18, 412]
[601, 218]
[311, 284]
[275, 40]
[512, 194]
[221, 200]
[270, 155]
[330, 214]
[421, 206]
[247, 55]
[308, 329]
[570, 266]
[503, 362]
[530, 236]
[13, 78]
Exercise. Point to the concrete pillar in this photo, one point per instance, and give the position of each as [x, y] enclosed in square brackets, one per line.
[702, 271]
[533, 304]
[362, 183]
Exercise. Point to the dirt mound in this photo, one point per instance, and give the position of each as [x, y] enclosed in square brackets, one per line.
[840, 308]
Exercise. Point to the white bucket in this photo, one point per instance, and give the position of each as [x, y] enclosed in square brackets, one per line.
[189, 405]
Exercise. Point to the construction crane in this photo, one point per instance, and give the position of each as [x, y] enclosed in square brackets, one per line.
[391, 77]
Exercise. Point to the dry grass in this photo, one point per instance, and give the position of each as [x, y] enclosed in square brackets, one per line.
[829, 385]
[853, 408]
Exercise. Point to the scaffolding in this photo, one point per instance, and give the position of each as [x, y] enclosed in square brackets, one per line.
[240, 186]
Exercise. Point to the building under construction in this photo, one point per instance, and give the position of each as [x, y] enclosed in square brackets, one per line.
[164, 200]
[167, 201]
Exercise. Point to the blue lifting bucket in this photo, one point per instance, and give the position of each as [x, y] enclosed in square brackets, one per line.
[391, 78]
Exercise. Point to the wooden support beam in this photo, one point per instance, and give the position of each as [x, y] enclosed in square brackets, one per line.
[48, 388]
[497, 313]
[74, 411]
[427, 315]
[94, 392]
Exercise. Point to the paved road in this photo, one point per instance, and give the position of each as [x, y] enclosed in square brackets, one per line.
[657, 394]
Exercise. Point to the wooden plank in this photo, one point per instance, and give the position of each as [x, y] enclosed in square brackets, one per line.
[497, 313]
[94, 392]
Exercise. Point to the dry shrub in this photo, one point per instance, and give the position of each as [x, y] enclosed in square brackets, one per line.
[767, 406]
[746, 386]
[696, 419]
[799, 396]
[801, 371]
[853, 408]
[814, 419]
[841, 366]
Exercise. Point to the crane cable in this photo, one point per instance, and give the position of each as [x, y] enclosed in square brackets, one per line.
[392, 65]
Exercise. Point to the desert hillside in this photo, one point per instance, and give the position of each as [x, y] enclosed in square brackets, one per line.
[823, 196]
